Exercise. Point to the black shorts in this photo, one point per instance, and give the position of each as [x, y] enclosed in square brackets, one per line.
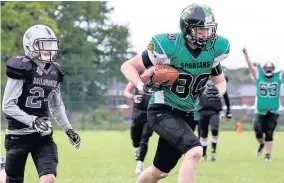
[176, 135]
[140, 129]
[43, 151]
[207, 118]
[265, 123]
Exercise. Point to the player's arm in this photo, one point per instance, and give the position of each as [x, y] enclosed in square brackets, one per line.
[57, 110]
[154, 55]
[220, 83]
[130, 70]
[12, 92]
[227, 101]
[226, 97]
[222, 50]
[252, 68]
[128, 90]
[282, 75]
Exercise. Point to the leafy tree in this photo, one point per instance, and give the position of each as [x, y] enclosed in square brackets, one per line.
[92, 46]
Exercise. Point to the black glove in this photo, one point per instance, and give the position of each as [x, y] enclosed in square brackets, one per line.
[74, 138]
[245, 51]
[212, 92]
[40, 124]
[137, 99]
[151, 87]
[229, 114]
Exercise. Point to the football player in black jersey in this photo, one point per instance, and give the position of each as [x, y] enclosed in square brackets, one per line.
[32, 95]
[140, 130]
[209, 115]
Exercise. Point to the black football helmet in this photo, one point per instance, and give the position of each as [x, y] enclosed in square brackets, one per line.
[197, 16]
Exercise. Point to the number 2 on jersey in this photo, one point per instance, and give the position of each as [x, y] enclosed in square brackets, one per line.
[35, 100]
[186, 84]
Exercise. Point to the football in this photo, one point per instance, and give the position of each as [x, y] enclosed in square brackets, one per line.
[161, 73]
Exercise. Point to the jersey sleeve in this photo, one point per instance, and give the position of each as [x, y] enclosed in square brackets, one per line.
[158, 52]
[57, 110]
[222, 50]
[13, 91]
[18, 67]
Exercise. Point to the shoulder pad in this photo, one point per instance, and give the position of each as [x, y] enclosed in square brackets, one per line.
[60, 70]
[165, 43]
[18, 67]
[222, 46]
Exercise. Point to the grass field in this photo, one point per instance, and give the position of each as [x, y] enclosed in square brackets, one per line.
[107, 157]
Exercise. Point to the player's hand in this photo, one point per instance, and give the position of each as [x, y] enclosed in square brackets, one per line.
[245, 51]
[212, 92]
[229, 115]
[151, 87]
[74, 138]
[137, 99]
[40, 124]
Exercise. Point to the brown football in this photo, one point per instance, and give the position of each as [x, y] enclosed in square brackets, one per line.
[161, 73]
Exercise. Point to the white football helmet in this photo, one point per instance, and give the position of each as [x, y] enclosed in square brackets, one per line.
[40, 43]
[268, 69]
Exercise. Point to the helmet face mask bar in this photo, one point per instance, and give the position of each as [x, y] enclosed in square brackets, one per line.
[46, 49]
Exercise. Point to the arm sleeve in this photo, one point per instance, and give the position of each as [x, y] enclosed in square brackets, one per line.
[216, 71]
[57, 110]
[13, 91]
[227, 100]
[155, 53]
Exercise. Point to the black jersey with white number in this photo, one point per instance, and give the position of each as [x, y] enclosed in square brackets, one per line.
[37, 87]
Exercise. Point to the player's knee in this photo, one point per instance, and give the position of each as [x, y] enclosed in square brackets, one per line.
[269, 136]
[14, 179]
[158, 174]
[49, 178]
[13, 176]
[203, 134]
[258, 134]
[214, 131]
[194, 153]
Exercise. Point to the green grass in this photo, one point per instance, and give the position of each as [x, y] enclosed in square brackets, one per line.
[107, 157]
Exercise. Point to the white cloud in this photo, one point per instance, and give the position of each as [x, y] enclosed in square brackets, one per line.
[256, 24]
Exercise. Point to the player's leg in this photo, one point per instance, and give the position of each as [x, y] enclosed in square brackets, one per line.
[176, 138]
[16, 156]
[162, 164]
[269, 131]
[136, 131]
[203, 125]
[214, 126]
[45, 157]
[258, 129]
[146, 134]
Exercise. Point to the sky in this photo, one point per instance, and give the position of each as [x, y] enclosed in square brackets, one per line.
[256, 25]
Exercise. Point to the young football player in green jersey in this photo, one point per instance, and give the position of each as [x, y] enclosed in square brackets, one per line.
[196, 52]
[267, 103]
